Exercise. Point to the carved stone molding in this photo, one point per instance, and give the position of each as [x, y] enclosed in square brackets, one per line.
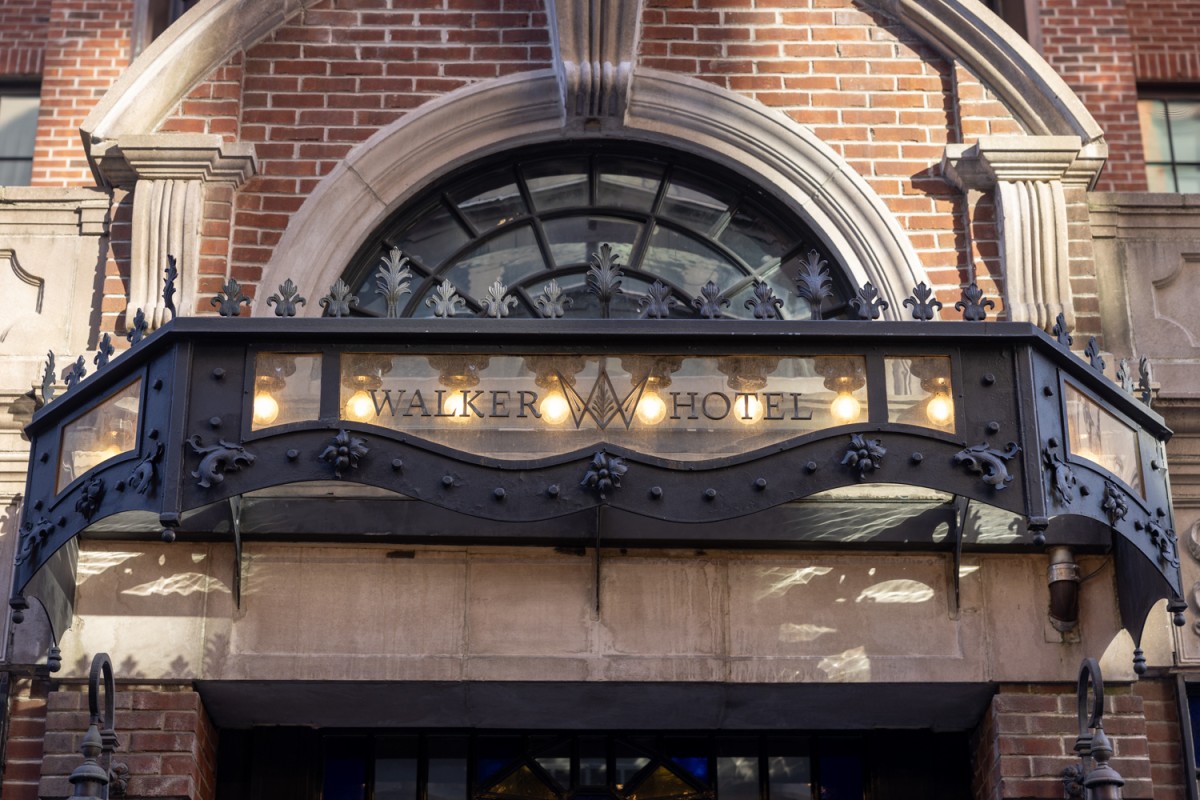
[170, 173]
[1027, 175]
[595, 45]
[18, 288]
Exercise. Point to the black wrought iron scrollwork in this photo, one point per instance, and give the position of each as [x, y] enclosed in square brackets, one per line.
[218, 459]
[814, 283]
[1144, 388]
[91, 495]
[392, 280]
[230, 299]
[867, 303]
[1114, 503]
[711, 302]
[33, 535]
[1060, 332]
[1092, 777]
[764, 303]
[445, 301]
[339, 301]
[75, 374]
[98, 775]
[345, 452]
[658, 301]
[145, 474]
[991, 464]
[604, 277]
[286, 300]
[104, 351]
[1164, 540]
[604, 473]
[922, 302]
[1092, 351]
[1062, 477]
[168, 292]
[864, 455]
[552, 303]
[497, 302]
[973, 304]
[48, 378]
[140, 326]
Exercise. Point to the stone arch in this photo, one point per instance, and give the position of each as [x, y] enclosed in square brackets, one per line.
[689, 115]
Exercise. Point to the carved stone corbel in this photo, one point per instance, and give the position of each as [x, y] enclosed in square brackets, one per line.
[1027, 175]
[171, 175]
[595, 42]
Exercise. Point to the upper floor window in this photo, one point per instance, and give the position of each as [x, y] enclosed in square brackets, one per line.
[153, 17]
[1171, 136]
[18, 127]
[541, 215]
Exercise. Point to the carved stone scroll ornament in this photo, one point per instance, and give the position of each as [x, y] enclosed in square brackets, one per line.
[988, 462]
[594, 43]
[217, 459]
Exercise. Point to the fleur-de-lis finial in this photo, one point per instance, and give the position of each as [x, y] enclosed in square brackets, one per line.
[75, 374]
[497, 301]
[1092, 351]
[229, 300]
[552, 303]
[138, 331]
[813, 282]
[710, 302]
[445, 300]
[286, 301]
[48, 378]
[604, 277]
[339, 301]
[658, 301]
[764, 302]
[924, 305]
[1060, 332]
[973, 304]
[393, 279]
[168, 292]
[867, 303]
[104, 351]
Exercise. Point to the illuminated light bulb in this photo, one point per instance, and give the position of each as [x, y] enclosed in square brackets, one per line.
[453, 407]
[110, 451]
[651, 409]
[940, 410]
[748, 409]
[266, 408]
[845, 408]
[555, 408]
[360, 407]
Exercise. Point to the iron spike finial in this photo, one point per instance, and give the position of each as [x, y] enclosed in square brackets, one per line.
[445, 300]
[923, 303]
[138, 331]
[1060, 332]
[1092, 351]
[867, 303]
[813, 282]
[47, 387]
[168, 292]
[230, 299]
[973, 304]
[75, 373]
[392, 280]
[104, 351]
[711, 301]
[339, 301]
[764, 303]
[552, 303]
[604, 277]
[287, 299]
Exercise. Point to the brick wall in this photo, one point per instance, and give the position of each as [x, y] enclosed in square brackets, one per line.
[166, 739]
[1160, 705]
[22, 36]
[1166, 39]
[1027, 736]
[22, 768]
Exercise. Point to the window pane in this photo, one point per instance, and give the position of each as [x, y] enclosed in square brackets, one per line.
[431, 239]
[920, 393]
[737, 777]
[575, 239]
[491, 200]
[396, 779]
[791, 777]
[692, 201]
[287, 388]
[1097, 435]
[1189, 178]
[754, 238]
[841, 778]
[18, 124]
[505, 258]
[105, 432]
[557, 183]
[686, 262]
[1185, 129]
[1160, 178]
[629, 185]
[1155, 138]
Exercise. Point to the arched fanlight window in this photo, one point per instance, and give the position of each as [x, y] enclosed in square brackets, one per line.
[543, 215]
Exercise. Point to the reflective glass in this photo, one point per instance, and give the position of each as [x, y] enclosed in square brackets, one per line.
[432, 238]
[1160, 178]
[1188, 178]
[506, 257]
[693, 201]
[521, 782]
[18, 126]
[1156, 138]
[557, 183]
[107, 431]
[558, 768]
[627, 184]
[737, 777]
[287, 388]
[754, 238]
[686, 261]
[395, 779]
[661, 784]
[345, 779]
[1185, 129]
[790, 777]
[490, 200]
[627, 768]
[920, 392]
[1097, 435]
[573, 240]
[841, 777]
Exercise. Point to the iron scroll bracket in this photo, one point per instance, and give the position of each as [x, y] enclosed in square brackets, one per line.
[1092, 778]
[98, 775]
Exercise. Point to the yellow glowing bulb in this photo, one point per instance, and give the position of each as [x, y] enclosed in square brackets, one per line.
[360, 407]
[554, 408]
[110, 451]
[940, 410]
[748, 409]
[266, 408]
[651, 409]
[845, 409]
[453, 407]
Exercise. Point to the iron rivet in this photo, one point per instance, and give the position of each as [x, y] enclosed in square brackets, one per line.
[760, 484]
[168, 535]
[552, 490]
[158, 384]
[62, 522]
[710, 494]
[811, 466]
[1084, 491]
[656, 492]
[1154, 463]
[153, 434]
[44, 457]
[397, 463]
[215, 422]
[1046, 390]
[219, 373]
[499, 493]
[293, 455]
[38, 505]
[917, 458]
[988, 379]
[1137, 526]
[993, 427]
[120, 486]
[447, 480]
[1052, 441]
[1039, 538]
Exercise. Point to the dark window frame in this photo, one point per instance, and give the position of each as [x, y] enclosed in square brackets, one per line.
[1167, 94]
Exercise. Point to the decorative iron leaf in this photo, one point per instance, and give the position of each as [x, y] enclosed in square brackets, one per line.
[229, 300]
[48, 378]
[813, 282]
[923, 303]
[1062, 477]
[604, 473]
[973, 304]
[1124, 376]
[168, 292]
[867, 303]
[497, 302]
[1060, 332]
[552, 303]
[1092, 351]
[1114, 503]
[138, 331]
[445, 300]
[604, 277]
[104, 351]
[990, 463]
[345, 452]
[864, 455]
[710, 302]
[1144, 388]
[75, 374]
[764, 302]
[286, 300]
[339, 301]
[392, 279]
[658, 301]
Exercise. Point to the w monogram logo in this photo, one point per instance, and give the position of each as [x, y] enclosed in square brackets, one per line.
[603, 404]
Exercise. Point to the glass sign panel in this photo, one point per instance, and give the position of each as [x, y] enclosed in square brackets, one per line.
[1097, 435]
[287, 388]
[107, 431]
[920, 393]
[520, 407]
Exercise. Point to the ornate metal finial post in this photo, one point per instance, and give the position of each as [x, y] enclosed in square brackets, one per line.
[97, 776]
[1092, 778]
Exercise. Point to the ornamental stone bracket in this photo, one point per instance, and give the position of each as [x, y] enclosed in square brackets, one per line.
[170, 175]
[594, 43]
[1027, 175]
